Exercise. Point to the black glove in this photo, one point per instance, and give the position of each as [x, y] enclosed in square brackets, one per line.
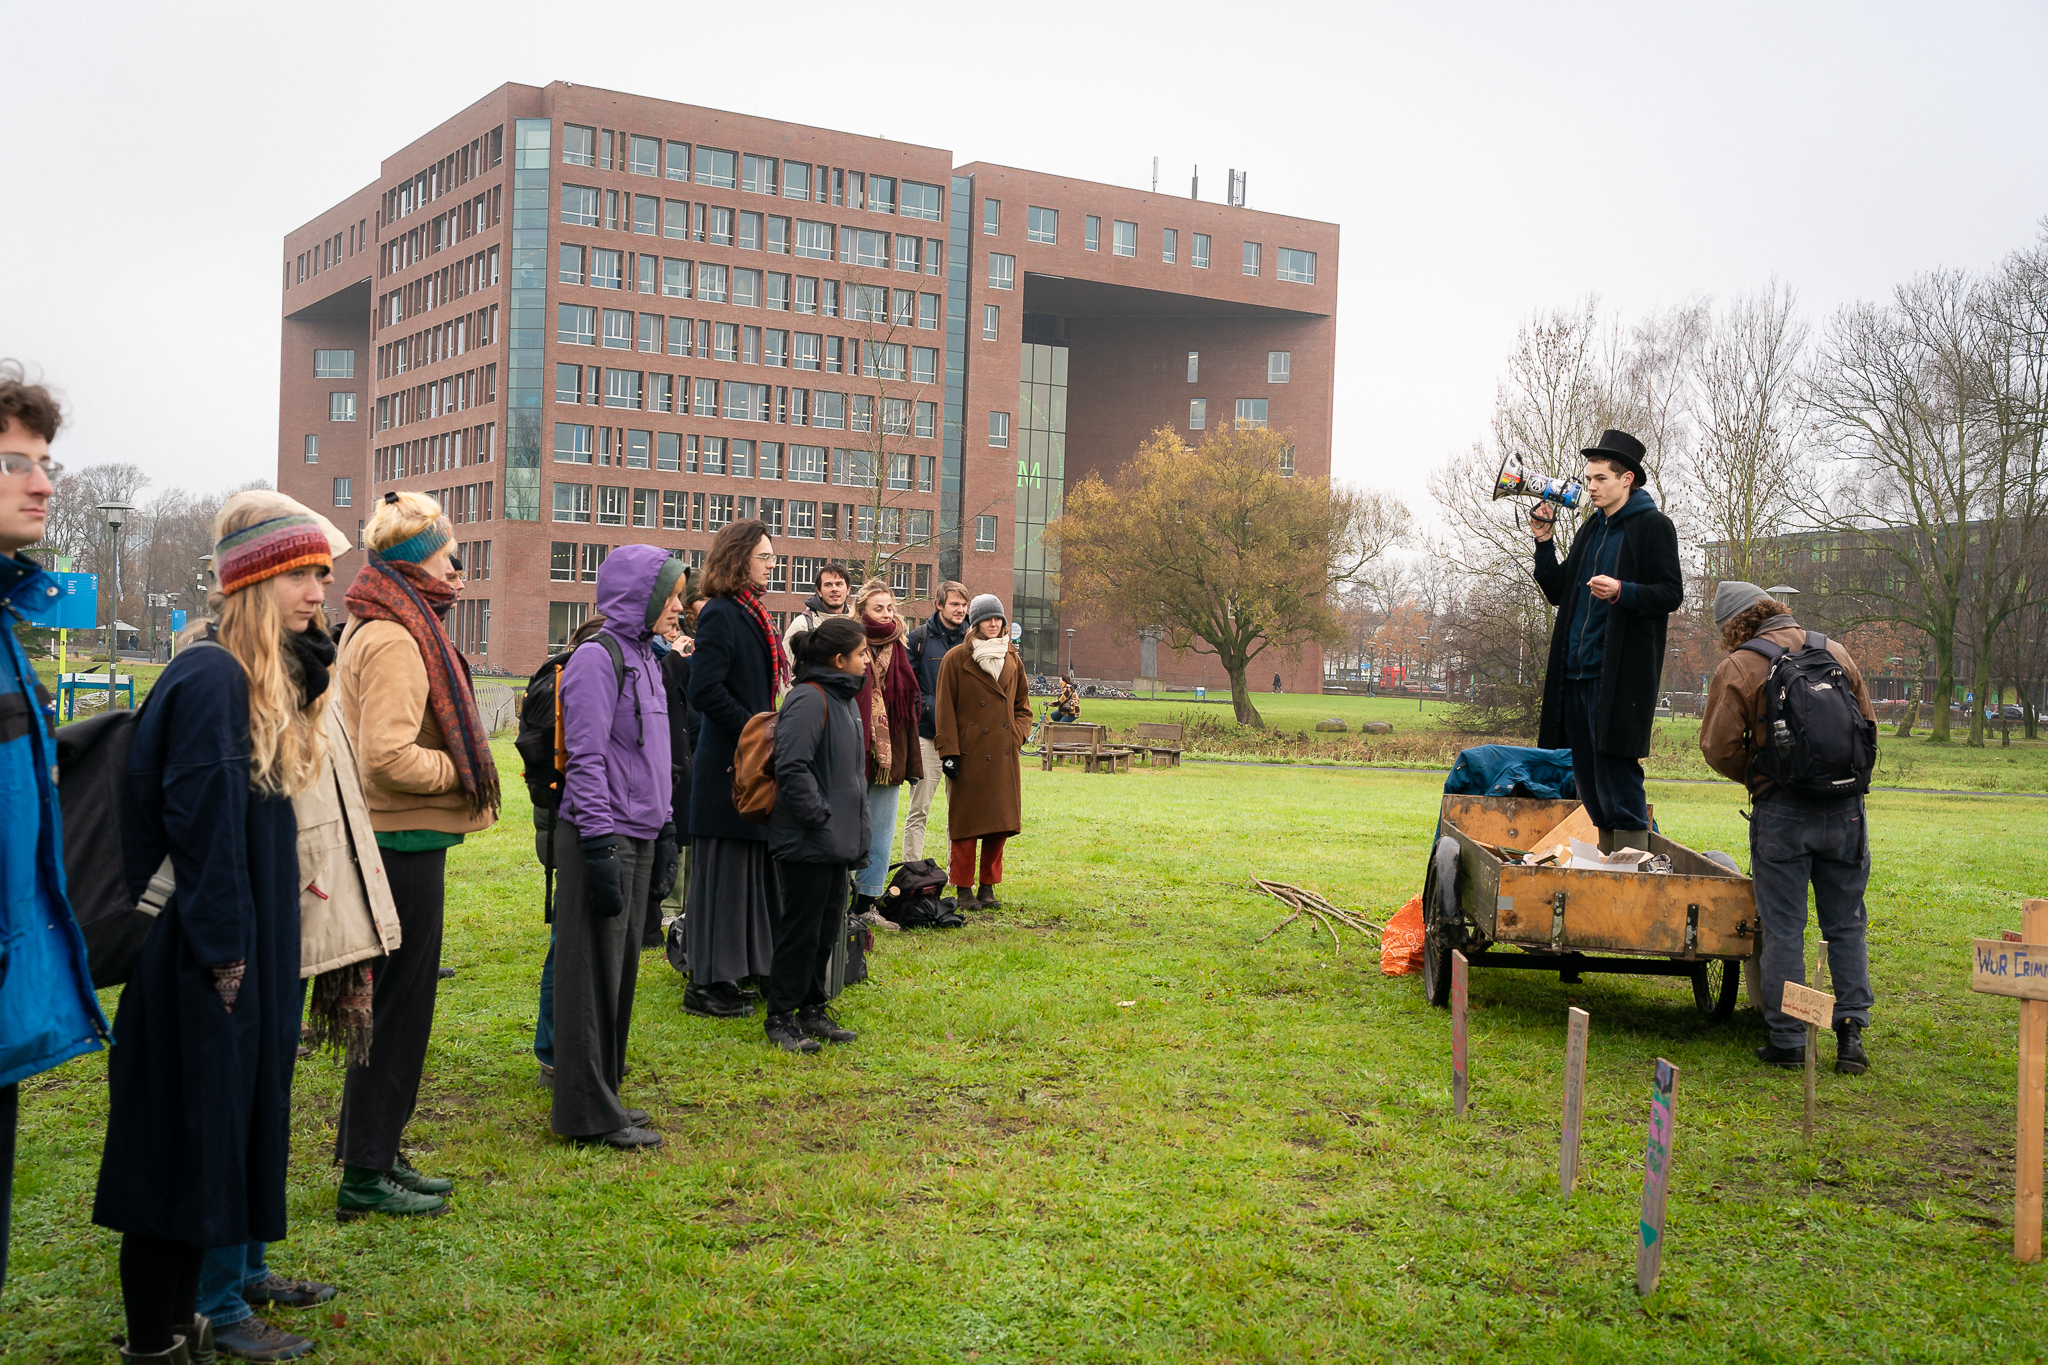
[950, 765]
[602, 874]
[667, 858]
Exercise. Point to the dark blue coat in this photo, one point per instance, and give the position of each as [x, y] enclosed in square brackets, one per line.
[732, 679]
[200, 1099]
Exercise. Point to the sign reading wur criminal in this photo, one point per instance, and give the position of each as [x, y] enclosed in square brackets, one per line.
[2015, 969]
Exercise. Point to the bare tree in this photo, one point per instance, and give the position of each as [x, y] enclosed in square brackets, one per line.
[1744, 467]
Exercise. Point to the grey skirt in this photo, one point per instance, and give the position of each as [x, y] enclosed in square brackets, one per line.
[729, 910]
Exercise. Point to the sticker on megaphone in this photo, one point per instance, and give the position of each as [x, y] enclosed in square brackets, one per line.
[1516, 481]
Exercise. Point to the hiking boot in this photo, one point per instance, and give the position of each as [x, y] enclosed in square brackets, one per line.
[255, 1339]
[719, 1000]
[986, 895]
[1850, 1058]
[176, 1355]
[627, 1139]
[963, 900]
[275, 1288]
[1790, 1058]
[443, 973]
[875, 918]
[813, 1020]
[787, 1034]
[405, 1177]
[364, 1192]
[546, 1079]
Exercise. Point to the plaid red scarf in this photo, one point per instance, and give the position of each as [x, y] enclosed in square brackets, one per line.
[392, 590]
[749, 601]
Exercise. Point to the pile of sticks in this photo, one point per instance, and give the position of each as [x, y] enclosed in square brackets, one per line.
[1317, 909]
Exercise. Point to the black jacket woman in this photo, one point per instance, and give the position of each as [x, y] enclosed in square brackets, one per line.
[737, 670]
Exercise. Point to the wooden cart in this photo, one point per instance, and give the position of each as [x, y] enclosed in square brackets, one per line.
[1501, 913]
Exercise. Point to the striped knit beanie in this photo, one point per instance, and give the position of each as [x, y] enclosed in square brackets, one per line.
[269, 548]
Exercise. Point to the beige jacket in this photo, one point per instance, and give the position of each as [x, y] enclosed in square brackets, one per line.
[1731, 725]
[408, 779]
[345, 909]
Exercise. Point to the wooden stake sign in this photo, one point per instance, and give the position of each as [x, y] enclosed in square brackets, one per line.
[1577, 1021]
[2021, 970]
[1460, 973]
[1656, 1179]
[1814, 1008]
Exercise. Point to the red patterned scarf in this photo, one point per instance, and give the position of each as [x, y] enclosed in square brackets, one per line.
[749, 601]
[392, 590]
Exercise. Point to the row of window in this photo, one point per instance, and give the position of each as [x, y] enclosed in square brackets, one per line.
[743, 286]
[442, 231]
[330, 253]
[672, 509]
[739, 458]
[456, 280]
[445, 341]
[1042, 226]
[637, 154]
[640, 391]
[437, 398]
[620, 329]
[451, 172]
[682, 220]
[578, 562]
[430, 454]
[1278, 366]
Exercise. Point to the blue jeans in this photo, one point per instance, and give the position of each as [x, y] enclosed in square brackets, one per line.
[1610, 787]
[1794, 843]
[224, 1272]
[544, 1031]
[873, 879]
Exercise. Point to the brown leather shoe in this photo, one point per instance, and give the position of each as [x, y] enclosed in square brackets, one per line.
[986, 895]
[964, 900]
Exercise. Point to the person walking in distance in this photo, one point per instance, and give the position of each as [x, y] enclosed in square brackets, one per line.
[737, 670]
[927, 647]
[1798, 838]
[984, 717]
[429, 779]
[1615, 593]
[819, 828]
[48, 1013]
[834, 597]
[889, 703]
[207, 1034]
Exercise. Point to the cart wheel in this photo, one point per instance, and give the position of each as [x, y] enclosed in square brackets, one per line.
[1716, 1008]
[1439, 914]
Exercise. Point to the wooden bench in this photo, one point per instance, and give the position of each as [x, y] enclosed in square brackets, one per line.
[1158, 741]
[1082, 741]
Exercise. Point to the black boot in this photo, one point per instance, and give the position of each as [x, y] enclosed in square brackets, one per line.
[813, 1020]
[1850, 1059]
[176, 1355]
[717, 1000]
[199, 1341]
[787, 1034]
[1790, 1058]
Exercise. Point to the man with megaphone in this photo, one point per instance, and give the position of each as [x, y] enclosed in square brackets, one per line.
[1614, 595]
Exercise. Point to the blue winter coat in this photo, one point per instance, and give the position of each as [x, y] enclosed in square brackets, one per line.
[48, 1013]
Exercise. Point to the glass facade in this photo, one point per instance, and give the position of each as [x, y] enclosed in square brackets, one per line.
[525, 337]
[1041, 445]
[952, 451]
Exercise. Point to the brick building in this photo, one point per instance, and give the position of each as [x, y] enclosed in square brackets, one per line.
[582, 319]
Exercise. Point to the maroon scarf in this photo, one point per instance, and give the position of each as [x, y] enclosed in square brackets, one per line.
[749, 601]
[393, 590]
[900, 692]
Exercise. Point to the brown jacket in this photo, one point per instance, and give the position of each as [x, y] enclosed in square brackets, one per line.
[345, 908]
[985, 723]
[408, 778]
[1731, 728]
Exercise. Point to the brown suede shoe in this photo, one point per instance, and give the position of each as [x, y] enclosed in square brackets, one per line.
[963, 900]
[986, 895]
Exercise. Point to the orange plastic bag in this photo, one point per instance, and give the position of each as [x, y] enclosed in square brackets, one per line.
[1401, 944]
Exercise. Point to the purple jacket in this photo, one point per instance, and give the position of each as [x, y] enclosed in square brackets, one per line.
[618, 778]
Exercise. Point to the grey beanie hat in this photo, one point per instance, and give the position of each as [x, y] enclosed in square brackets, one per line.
[1734, 597]
[983, 607]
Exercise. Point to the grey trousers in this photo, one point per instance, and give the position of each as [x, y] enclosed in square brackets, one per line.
[921, 796]
[1793, 844]
[597, 964]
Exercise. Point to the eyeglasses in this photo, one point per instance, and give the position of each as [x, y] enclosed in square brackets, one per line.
[764, 559]
[14, 466]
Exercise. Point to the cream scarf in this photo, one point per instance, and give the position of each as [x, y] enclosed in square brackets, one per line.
[991, 654]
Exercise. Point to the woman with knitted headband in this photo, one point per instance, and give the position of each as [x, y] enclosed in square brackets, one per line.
[890, 701]
[199, 1081]
[405, 695]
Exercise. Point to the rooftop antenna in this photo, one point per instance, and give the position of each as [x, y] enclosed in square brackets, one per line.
[1237, 186]
[1195, 186]
[1155, 175]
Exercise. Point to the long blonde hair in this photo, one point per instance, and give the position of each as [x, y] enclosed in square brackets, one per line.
[287, 741]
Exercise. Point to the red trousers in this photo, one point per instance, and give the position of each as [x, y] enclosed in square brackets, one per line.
[961, 867]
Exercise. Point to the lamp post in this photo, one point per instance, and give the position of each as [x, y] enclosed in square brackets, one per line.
[115, 513]
[1422, 674]
[1070, 649]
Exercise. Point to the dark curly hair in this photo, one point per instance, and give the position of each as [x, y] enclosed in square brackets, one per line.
[1742, 626]
[26, 403]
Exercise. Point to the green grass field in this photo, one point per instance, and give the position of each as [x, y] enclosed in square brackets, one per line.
[1099, 1125]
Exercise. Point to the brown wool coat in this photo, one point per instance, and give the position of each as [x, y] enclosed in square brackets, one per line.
[408, 779]
[984, 723]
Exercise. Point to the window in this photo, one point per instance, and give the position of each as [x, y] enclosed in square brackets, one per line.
[999, 429]
[611, 506]
[618, 329]
[1201, 260]
[622, 389]
[757, 174]
[561, 562]
[920, 201]
[857, 246]
[579, 145]
[828, 298]
[775, 348]
[1198, 414]
[828, 411]
[750, 230]
[572, 502]
[796, 181]
[903, 307]
[711, 283]
[715, 168]
[806, 465]
[747, 402]
[803, 353]
[806, 294]
[677, 161]
[906, 253]
[746, 288]
[727, 345]
[1123, 240]
[718, 514]
[334, 364]
[814, 240]
[1002, 271]
[312, 450]
[991, 216]
[564, 618]
[927, 423]
[1093, 238]
[341, 407]
[646, 506]
[1251, 412]
[569, 267]
[777, 295]
[896, 422]
[989, 318]
[924, 364]
[861, 413]
[650, 333]
[679, 331]
[1169, 245]
[1276, 366]
[985, 533]
[1194, 367]
[1042, 225]
[1297, 267]
[934, 256]
[927, 469]
[572, 443]
[1287, 462]
[1251, 258]
[778, 235]
[676, 278]
[675, 511]
[607, 268]
[579, 205]
[343, 491]
[675, 219]
[668, 455]
[721, 227]
[643, 154]
[881, 194]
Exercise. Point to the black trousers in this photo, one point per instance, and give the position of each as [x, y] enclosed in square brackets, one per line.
[159, 1290]
[597, 965]
[1610, 787]
[377, 1100]
[814, 905]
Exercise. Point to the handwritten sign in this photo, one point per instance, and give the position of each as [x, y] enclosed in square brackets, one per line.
[1577, 1022]
[2019, 970]
[1656, 1179]
[1809, 1006]
[1460, 974]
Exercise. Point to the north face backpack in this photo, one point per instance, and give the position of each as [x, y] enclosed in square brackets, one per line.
[540, 724]
[1817, 742]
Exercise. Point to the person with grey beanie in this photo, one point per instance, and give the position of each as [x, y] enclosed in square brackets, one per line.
[1795, 840]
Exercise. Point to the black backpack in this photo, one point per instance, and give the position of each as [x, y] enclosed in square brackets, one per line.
[540, 724]
[1817, 742]
[912, 899]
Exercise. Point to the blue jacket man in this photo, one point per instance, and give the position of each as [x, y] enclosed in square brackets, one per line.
[48, 1013]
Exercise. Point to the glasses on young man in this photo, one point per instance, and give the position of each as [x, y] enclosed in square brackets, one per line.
[15, 466]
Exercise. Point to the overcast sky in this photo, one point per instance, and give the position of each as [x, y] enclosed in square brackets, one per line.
[1483, 160]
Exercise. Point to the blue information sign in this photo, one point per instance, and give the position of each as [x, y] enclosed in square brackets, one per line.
[74, 606]
[177, 621]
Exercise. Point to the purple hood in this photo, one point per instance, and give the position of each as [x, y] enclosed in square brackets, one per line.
[625, 585]
[618, 781]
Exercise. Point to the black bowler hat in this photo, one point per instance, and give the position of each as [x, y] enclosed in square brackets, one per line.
[1619, 445]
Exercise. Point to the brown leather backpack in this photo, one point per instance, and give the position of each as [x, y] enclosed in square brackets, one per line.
[753, 768]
